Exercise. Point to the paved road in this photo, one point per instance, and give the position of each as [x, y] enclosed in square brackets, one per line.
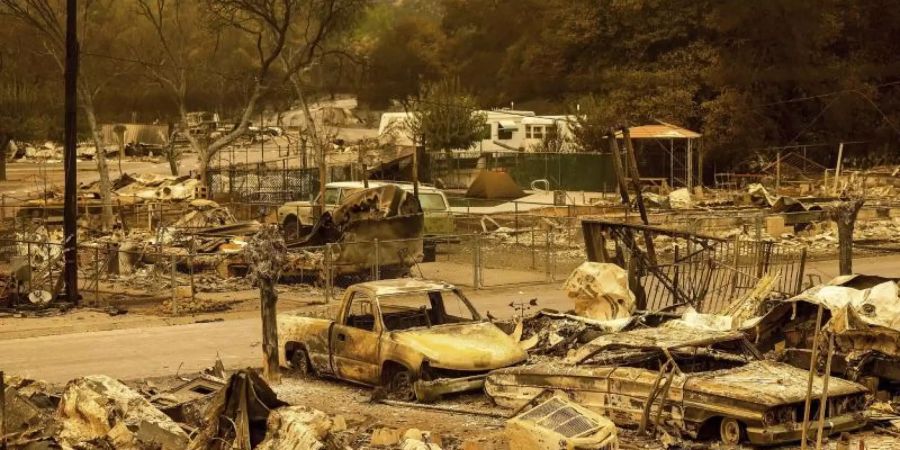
[886, 266]
[165, 350]
[134, 353]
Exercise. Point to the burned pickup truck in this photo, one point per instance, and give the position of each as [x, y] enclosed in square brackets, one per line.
[704, 384]
[418, 339]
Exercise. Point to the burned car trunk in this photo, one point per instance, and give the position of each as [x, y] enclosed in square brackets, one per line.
[699, 383]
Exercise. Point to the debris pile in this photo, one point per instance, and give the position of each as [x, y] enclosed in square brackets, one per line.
[100, 410]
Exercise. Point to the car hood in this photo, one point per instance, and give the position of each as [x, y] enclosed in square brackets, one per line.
[768, 382]
[466, 346]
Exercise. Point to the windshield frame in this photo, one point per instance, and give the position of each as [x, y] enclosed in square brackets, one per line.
[476, 317]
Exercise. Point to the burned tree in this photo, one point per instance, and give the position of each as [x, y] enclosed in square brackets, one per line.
[292, 31]
[844, 215]
[46, 18]
[266, 252]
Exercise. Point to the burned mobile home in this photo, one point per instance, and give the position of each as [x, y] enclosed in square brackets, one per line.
[698, 383]
[861, 312]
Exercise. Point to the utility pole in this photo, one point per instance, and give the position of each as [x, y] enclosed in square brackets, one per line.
[70, 207]
[617, 165]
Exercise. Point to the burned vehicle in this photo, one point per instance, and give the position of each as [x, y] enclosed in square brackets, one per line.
[418, 339]
[378, 228]
[298, 217]
[700, 383]
[862, 313]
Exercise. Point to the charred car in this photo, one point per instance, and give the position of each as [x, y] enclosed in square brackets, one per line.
[705, 384]
[417, 339]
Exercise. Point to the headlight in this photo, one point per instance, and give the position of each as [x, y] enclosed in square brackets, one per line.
[787, 414]
[780, 415]
[770, 417]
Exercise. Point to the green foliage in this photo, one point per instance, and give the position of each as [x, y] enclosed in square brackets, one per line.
[725, 69]
[445, 117]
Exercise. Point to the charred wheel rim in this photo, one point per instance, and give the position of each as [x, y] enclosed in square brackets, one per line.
[730, 431]
[401, 387]
[300, 362]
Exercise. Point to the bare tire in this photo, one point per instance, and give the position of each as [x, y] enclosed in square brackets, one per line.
[300, 363]
[291, 228]
[731, 432]
[400, 386]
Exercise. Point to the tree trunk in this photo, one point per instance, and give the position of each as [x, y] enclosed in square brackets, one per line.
[4, 153]
[173, 160]
[318, 145]
[844, 215]
[106, 218]
[268, 297]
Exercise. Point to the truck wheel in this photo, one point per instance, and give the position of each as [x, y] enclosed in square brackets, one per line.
[401, 386]
[291, 228]
[731, 431]
[300, 363]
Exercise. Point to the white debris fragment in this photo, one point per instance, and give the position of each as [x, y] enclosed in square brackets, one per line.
[600, 291]
[297, 427]
[680, 199]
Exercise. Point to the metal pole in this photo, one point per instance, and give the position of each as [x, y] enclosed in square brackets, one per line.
[30, 268]
[97, 274]
[547, 236]
[2, 411]
[475, 261]
[533, 256]
[327, 273]
[809, 383]
[262, 142]
[516, 205]
[837, 168]
[191, 268]
[823, 400]
[377, 263]
[174, 287]
[70, 228]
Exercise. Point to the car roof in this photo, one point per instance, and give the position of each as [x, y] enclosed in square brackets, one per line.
[377, 183]
[402, 285]
[655, 338]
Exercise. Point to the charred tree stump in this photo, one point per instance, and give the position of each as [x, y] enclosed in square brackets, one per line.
[266, 252]
[844, 216]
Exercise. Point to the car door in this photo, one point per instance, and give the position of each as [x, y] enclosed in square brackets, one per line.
[354, 341]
